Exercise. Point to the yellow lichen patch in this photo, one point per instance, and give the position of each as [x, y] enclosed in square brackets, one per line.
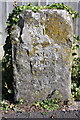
[31, 20]
[35, 44]
[45, 58]
[57, 49]
[34, 72]
[34, 76]
[42, 22]
[66, 58]
[16, 42]
[59, 23]
[68, 55]
[42, 62]
[57, 29]
[55, 18]
[33, 51]
[21, 52]
[65, 50]
[45, 44]
[34, 39]
[37, 54]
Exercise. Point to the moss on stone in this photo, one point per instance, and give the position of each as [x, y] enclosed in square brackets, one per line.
[56, 30]
[34, 49]
[35, 44]
[45, 44]
[42, 62]
[57, 49]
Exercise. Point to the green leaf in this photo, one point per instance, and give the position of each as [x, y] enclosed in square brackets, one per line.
[21, 100]
[37, 103]
[45, 106]
[77, 89]
[9, 91]
[75, 47]
[15, 109]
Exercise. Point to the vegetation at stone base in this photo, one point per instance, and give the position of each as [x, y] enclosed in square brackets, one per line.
[21, 101]
[14, 17]
[46, 105]
[51, 104]
[43, 106]
[6, 105]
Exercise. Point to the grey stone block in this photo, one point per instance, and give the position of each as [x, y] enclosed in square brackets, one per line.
[42, 54]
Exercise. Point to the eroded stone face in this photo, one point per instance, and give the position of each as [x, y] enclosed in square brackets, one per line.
[42, 49]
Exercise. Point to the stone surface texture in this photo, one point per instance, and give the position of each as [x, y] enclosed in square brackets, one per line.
[42, 54]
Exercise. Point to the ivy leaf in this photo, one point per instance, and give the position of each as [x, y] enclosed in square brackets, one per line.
[16, 109]
[15, 19]
[9, 91]
[73, 16]
[75, 47]
[21, 101]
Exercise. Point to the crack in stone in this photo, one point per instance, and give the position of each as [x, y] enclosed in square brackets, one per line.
[21, 25]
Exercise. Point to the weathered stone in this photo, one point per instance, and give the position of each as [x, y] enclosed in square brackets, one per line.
[42, 51]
